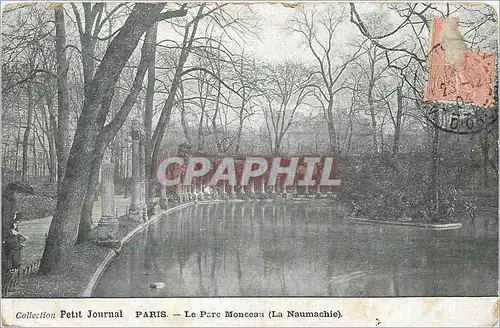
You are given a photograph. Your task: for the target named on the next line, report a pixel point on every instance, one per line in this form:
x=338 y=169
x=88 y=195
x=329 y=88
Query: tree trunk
x=88 y=204
x=331 y=128
x=26 y=136
x=494 y=160
x=35 y=159
x=349 y=139
x=373 y=118
x=148 y=113
x=16 y=163
x=62 y=139
x=182 y=109
x=92 y=137
x=218 y=141
x=371 y=105
x=240 y=126
x=166 y=112
x=51 y=128
x=200 y=137
x=485 y=150
x=433 y=191
x=397 y=126
x=70 y=197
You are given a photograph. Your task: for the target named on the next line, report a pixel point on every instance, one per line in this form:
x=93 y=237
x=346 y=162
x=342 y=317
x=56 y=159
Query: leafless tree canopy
x=75 y=76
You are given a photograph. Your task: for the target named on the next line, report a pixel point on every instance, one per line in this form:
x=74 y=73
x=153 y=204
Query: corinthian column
x=107 y=195
x=135 y=213
x=142 y=165
x=107 y=228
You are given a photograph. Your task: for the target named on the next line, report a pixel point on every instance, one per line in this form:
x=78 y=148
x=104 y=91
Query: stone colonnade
x=137 y=212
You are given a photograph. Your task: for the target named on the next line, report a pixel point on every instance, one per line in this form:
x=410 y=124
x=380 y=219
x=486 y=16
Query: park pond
x=301 y=249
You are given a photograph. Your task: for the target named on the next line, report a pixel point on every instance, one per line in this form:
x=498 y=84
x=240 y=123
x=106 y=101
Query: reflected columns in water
x=472 y=231
x=184 y=248
x=202 y=291
x=224 y=242
x=128 y=266
x=333 y=262
x=215 y=248
x=306 y=218
x=252 y=188
x=293 y=222
x=330 y=215
x=284 y=217
x=196 y=224
x=262 y=213
x=233 y=208
x=135 y=264
x=201 y=219
x=242 y=214
x=150 y=244
x=252 y=218
x=198 y=190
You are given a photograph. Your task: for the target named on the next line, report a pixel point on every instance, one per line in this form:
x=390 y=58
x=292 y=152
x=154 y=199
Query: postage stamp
x=460 y=78
x=254 y=164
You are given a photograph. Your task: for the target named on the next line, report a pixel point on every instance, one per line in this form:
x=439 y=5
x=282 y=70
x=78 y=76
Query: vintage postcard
x=255 y=164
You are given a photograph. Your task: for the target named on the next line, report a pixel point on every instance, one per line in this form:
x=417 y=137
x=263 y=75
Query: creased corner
x=494 y=313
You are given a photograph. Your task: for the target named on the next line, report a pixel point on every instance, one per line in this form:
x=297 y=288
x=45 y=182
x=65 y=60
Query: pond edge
x=96 y=276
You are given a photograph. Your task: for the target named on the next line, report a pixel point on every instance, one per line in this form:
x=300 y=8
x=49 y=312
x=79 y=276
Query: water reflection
x=265 y=249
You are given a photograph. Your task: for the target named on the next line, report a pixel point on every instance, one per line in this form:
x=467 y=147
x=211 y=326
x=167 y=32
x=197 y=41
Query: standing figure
x=12 y=246
x=12 y=240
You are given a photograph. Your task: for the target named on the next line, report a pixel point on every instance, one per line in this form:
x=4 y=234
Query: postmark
x=459 y=93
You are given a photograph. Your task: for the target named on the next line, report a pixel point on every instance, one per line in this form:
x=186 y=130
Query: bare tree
x=62 y=140
x=311 y=24
x=92 y=135
x=149 y=110
x=286 y=92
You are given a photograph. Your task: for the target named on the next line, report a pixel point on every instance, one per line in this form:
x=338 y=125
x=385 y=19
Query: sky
x=277 y=44
x=274 y=43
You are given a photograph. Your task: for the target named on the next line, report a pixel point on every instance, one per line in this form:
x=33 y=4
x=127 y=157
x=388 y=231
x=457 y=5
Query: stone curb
x=98 y=273
x=445 y=226
x=94 y=279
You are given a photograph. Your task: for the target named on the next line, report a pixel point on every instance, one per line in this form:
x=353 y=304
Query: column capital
x=137 y=130
x=107 y=164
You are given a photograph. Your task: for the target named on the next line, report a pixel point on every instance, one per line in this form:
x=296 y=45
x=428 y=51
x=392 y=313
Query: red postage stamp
x=456 y=73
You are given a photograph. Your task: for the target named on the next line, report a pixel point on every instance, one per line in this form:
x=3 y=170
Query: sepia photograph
x=252 y=149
